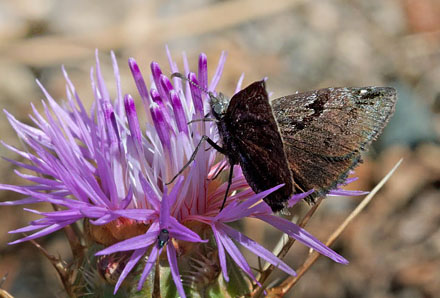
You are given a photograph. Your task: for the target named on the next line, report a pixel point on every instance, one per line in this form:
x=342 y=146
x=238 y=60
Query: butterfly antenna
x=182 y=77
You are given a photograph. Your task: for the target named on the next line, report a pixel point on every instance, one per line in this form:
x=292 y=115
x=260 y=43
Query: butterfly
x=306 y=141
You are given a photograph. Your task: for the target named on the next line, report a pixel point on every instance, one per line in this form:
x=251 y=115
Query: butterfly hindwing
x=324 y=131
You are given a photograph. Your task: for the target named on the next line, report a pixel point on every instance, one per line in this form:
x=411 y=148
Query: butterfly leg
x=231 y=171
x=215 y=146
x=193 y=155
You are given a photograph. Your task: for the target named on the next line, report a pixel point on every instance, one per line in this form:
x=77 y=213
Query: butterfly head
x=219 y=104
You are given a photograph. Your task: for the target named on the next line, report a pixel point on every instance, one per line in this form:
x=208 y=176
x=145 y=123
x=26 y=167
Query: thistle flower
x=111 y=171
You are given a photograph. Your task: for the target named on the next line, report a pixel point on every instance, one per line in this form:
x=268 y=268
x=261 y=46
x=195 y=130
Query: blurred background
x=393 y=246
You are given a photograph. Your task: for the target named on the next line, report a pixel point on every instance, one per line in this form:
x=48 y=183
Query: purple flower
x=105 y=167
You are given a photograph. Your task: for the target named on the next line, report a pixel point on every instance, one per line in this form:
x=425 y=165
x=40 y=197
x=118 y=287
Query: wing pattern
x=324 y=132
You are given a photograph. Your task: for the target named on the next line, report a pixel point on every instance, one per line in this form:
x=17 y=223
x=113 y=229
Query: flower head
x=105 y=167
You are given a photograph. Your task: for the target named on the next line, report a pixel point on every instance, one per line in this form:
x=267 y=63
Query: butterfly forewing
x=257 y=144
x=324 y=131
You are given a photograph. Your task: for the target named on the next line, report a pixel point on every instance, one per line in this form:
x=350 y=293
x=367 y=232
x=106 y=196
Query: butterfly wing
x=258 y=144
x=324 y=131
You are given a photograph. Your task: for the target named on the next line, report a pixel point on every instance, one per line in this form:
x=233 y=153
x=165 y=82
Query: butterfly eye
x=218 y=109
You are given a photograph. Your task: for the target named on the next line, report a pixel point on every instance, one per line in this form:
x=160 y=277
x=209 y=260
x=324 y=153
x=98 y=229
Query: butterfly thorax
x=219 y=106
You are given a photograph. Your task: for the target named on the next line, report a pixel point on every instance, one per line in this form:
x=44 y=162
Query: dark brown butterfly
x=307 y=140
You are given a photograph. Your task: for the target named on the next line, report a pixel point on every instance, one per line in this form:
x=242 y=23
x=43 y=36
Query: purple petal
x=133 y=122
x=101 y=85
x=33 y=168
x=235 y=212
x=187 y=84
x=179 y=113
x=160 y=124
x=203 y=71
x=134 y=259
x=172 y=260
x=24 y=130
x=298 y=197
x=176 y=191
x=155 y=251
x=157 y=72
x=104 y=219
x=134 y=243
x=302 y=236
x=59 y=215
x=218 y=72
x=137 y=214
x=44 y=197
x=26 y=229
x=256 y=248
x=234 y=252
x=221 y=253
x=118 y=100
x=173 y=66
x=239 y=83
x=44 y=169
x=21 y=202
x=43 y=232
x=139 y=80
x=164 y=217
x=128 y=198
x=93 y=212
x=179 y=231
x=350 y=180
x=166 y=85
x=150 y=195
x=196 y=93
x=40 y=180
